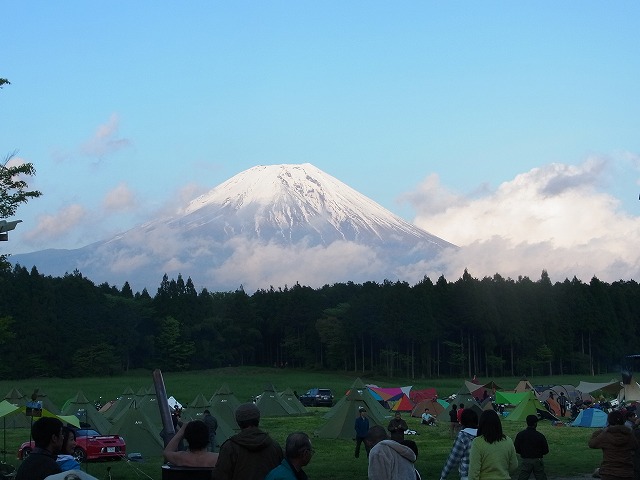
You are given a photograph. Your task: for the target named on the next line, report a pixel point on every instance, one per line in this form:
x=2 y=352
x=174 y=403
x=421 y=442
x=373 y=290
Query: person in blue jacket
x=66 y=460
x=297 y=454
x=362 y=428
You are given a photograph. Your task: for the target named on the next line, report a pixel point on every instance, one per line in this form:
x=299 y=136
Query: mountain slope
x=249 y=230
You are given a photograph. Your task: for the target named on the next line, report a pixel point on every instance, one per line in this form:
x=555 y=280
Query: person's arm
x=596 y=439
x=170 y=451
x=455 y=456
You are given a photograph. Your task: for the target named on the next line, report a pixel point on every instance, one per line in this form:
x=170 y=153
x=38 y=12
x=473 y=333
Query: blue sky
x=506 y=127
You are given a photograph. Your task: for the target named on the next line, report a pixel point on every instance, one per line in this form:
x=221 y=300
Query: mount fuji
x=267 y=226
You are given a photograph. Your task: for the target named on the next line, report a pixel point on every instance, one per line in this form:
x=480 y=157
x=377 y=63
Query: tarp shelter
x=612 y=387
x=16 y=397
x=271 y=405
x=434 y=408
x=402 y=405
x=140 y=434
x=86 y=412
x=417 y=396
x=629 y=392
x=341 y=423
x=510 y=398
x=529 y=406
x=290 y=399
x=590 y=417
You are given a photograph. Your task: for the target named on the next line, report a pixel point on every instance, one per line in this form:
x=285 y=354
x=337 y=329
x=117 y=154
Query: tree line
x=494 y=326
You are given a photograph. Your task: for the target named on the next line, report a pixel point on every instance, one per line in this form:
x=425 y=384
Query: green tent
x=375 y=408
x=511 y=398
x=121 y=405
x=223 y=407
x=342 y=421
x=140 y=434
x=530 y=405
x=224 y=395
x=290 y=399
x=464 y=396
x=86 y=412
x=271 y=405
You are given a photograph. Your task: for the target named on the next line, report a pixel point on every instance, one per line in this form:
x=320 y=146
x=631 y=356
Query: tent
x=86 y=412
x=403 y=404
x=465 y=397
x=290 y=399
x=223 y=407
x=629 y=392
x=271 y=405
x=341 y=423
x=590 y=417
x=375 y=408
x=417 y=396
x=123 y=402
x=523 y=386
x=434 y=408
x=529 y=406
x=510 y=398
x=225 y=395
x=612 y=387
x=139 y=433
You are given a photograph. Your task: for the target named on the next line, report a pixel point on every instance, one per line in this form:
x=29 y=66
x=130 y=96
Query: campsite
x=333 y=443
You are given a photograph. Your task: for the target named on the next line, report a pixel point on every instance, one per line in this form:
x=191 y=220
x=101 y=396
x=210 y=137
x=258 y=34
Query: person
x=212 y=424
x=531 y=445
x=414 y=448
x=562 y=402
x=297 y=454
x=492 y=455
x=362 y=428
x=66 y=460
x=618 y=445
x=459 y=455
x=397 y=427
x=630 y=419
x=389 y=459
x=250 y=454
x=453 y=419
x=459 y=415
x=47 y=434
x=196 y=433
x=427 y=418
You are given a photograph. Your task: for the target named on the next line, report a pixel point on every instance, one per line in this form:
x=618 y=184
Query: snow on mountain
x=269 y=225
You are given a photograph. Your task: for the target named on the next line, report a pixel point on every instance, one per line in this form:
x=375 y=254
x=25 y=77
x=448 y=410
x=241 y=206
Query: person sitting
x=66 y=460
x=196 y=433
x=427 y=418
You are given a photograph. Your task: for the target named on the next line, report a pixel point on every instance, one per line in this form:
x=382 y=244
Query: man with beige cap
x=250 y=454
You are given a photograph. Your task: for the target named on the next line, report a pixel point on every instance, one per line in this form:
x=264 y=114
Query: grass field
x=569 y=455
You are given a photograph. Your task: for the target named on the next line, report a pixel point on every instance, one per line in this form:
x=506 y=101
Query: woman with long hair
x=492 y=455
x=66 y=460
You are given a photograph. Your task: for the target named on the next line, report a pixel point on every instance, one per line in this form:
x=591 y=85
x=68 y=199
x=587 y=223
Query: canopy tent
x=341 y=423
x=529 y=406
x=590 y=417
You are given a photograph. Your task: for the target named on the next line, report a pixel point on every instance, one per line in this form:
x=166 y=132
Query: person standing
x=47 y=434
x=397 y=427
x=298 y=453
x=532 y=446
x=250 y=454
x=492 y=455
x=459 y=455
x=453 y=419
x=212 y=424
x=618 y=445
x=362 y=428
x=562 y=402
x=388 y=459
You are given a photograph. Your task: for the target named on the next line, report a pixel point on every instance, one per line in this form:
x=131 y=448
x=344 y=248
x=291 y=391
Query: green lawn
x=334 y=458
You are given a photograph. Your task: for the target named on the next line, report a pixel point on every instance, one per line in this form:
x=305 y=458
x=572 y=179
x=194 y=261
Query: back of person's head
x=615 y=418
x=375 y=435
x=469 y=418
x=411 y=444
x=532 y=420
x=297 y=444
x=462 y=405
x=454 y=407
x=490 y=427
x=207 y=412
x=196 y=433
x=43 y=429
x=247 y=415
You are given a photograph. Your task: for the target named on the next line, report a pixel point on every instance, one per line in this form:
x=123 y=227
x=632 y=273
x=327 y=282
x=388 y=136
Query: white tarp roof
x=612 y=386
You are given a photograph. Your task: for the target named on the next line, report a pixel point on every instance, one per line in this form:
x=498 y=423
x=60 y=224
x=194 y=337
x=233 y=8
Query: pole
x=163 y=405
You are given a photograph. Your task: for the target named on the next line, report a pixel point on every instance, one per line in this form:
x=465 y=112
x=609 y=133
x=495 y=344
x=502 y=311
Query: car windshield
x=86 y=433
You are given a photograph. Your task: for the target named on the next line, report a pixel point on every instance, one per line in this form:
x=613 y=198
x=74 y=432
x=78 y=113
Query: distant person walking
x=532 y=446
x=212 y=424
x=562 y=402
x=362 y=428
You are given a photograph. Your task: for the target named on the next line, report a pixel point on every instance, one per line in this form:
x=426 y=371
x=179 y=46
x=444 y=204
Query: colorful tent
x=590 y=417
x=417 y=396
x=403 y=404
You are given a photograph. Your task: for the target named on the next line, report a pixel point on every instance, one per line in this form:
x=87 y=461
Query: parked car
x=90 y=446
x=317 y=397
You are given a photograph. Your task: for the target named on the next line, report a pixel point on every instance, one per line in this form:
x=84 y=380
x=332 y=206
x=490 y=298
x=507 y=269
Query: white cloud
x=553 y=218
x=105 y=139
x=119 y=199
x=52 y=227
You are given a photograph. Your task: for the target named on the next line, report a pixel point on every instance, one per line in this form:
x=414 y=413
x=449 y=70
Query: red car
x=91 y=446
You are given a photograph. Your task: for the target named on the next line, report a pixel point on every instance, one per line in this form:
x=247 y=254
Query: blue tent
x=591 y=417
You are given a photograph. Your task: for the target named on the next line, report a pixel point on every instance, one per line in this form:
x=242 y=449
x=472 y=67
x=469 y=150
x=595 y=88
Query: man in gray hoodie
x=388 y=458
